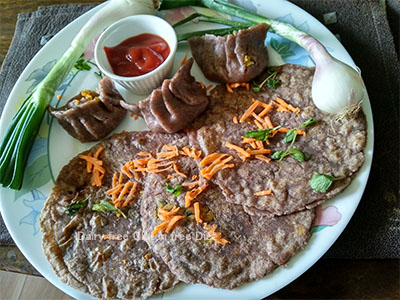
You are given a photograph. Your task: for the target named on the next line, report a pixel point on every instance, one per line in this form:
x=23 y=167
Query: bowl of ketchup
x=137 y=52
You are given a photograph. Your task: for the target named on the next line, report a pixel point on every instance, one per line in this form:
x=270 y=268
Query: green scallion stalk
x=337 y=88
x=221 y=31
x=205 y=18
x=20 y=135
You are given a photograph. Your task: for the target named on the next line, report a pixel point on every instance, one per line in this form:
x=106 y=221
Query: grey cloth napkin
x=364 y=30
x=31 y=29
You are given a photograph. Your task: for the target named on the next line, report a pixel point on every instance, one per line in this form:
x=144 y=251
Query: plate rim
x=365 y=169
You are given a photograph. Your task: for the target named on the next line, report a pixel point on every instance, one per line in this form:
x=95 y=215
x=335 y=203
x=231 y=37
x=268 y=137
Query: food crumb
x=59 y=97
x=148 y=256
x=124 y=261
x=300 y=230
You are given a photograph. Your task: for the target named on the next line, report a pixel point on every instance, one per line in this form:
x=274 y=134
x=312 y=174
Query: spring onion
x=337 y=88
x=21 y=133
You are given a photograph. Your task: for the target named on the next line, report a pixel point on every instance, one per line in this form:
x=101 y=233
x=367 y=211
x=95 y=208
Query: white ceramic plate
x=54 y=148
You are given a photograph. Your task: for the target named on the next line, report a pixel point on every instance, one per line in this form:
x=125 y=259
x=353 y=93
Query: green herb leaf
x=308 y=122
x=322 y=182
x=82 y=65
x=105 y=206
x=261 y=134
x=176 y=191
x=297 y=154
x=271 y=81
x=307 y=156
x=277 y=155
x=290 y=135
x=75 y=206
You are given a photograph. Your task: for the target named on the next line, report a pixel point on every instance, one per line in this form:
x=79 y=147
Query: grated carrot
x=175 y=167
x=192 y=194
x=259 y=125
x=258 y=151
x=125 y=190
x=196 y=207
x=160 y=227
x=94 y=166
x=209 y=87
x=191 y=152
x=125 y=171
x=260 y=144
x=114 y=189
x=166 y=215
x=266 y=110
x=215 y=236
x=257 y=118
x=237 y=149
x=228 y=88
x=215 y=163
x=262 y=157
x=249 y=111
x=268 y=122
x=184 y=59
x=209 y=158
x=235 y=120
x=190 y=184
x=202 y=85
x=172 y=222
x=264 y=193
x=132 y=192
x=248 y=140
x=283 y=106
x=114 y=179
x=144 y=154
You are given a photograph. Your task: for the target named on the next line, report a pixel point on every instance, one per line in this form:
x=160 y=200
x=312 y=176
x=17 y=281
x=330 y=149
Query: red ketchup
x=137 y=55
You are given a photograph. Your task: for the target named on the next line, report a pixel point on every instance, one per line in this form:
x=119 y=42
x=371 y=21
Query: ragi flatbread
x=256 y=244
x=336 y=147
x=99 y=252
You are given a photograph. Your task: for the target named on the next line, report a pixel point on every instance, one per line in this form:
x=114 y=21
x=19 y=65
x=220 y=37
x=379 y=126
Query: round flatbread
x=256 y=244
x=334 y=147
x=102 y=252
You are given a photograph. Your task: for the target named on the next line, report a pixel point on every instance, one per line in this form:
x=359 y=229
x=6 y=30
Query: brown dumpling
x=90 y=116
x=232 y=58
x=174 y=105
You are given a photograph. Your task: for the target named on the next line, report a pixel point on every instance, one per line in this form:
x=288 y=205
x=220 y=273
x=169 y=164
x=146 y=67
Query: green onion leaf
x=75 y=206
x=322 y=182
x=176 y=191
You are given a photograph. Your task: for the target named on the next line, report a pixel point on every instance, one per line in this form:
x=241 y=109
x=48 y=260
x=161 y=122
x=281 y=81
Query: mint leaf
x=322 y=182
x=261 y=134
x=290 y=135
x=297 y=154
x=176 y=191
x=277 y=155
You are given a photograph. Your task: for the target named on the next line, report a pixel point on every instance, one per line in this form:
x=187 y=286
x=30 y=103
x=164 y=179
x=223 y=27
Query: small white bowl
x=129 y=27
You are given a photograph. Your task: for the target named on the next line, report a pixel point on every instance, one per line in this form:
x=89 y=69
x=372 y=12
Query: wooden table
x=327 y=279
